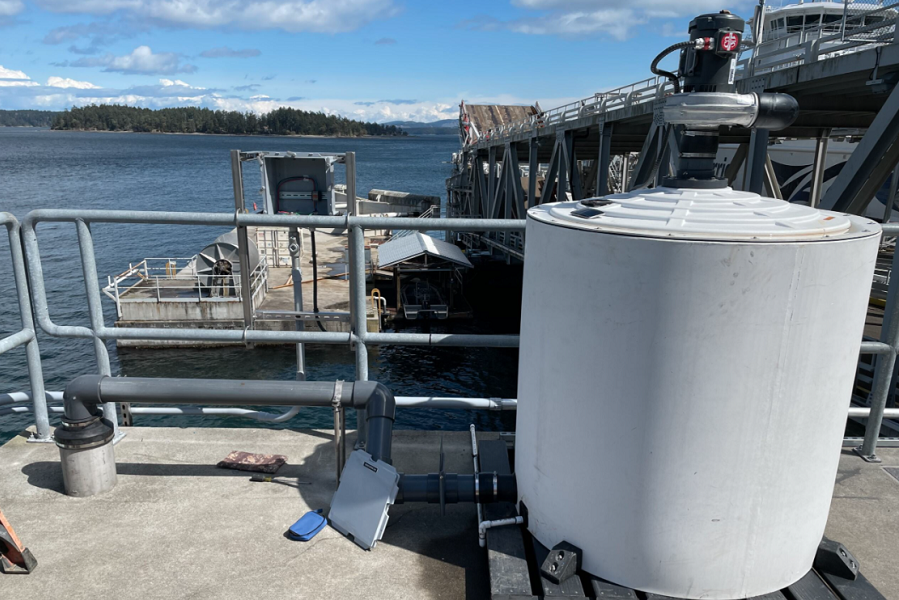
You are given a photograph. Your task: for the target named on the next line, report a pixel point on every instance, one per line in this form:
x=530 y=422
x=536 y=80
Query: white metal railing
x=176 y=280
x=829 y=40
x=358 y=337
x=432 y=213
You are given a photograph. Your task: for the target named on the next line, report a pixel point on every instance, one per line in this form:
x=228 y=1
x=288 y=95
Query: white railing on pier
x=176 y=280
x=829 y=40
x=32 y=292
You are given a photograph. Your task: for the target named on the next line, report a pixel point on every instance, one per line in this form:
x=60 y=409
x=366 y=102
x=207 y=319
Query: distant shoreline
x=279 y=135
x=451 y=132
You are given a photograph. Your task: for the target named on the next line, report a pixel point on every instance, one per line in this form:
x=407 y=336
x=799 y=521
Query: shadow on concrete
x=450 y=540
x=417 y=528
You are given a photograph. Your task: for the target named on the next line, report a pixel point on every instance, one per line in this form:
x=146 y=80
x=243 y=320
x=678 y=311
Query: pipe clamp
x=338 y=392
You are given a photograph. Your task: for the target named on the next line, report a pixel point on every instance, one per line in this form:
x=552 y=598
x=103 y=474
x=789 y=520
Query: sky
x=376 y=60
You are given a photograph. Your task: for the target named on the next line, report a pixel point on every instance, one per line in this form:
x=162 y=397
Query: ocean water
x=55 y=169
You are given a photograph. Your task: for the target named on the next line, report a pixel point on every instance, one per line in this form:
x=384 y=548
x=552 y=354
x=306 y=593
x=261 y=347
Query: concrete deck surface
x=176 y=526
x=864 y=516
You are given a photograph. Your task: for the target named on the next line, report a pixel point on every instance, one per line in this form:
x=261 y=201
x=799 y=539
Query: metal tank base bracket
x=521 y=567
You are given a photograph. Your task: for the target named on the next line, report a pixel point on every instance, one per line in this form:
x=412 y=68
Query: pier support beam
x=604 y=160
x=574 y=172
x=480 y=199
x=533 y=167
x=891 y=197
x=771 y=184
x=818 y=167
x=552 y=171
x=870 y=163
x=564 y=168
x=645 y=170
x=756 y=161
x=491 y=180
x=730 y=173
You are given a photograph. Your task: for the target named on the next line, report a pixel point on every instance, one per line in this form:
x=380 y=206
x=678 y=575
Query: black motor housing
x=712 y=69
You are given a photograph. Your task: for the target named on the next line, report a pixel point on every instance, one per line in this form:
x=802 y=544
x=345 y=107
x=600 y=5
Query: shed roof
x=401 y=249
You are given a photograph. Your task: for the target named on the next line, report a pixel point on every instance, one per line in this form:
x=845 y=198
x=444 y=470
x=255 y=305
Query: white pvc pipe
x=467 y=403
x=485 y=525
x=477 y=468
x=891 y=413
x=21 y=397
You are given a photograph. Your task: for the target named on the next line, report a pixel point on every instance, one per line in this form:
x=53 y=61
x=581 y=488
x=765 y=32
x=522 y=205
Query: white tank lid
x=720 y=214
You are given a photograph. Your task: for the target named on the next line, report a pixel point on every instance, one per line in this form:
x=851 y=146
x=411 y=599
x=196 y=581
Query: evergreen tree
x=281 y=121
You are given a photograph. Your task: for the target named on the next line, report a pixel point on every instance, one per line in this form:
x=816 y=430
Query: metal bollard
x=87 y=457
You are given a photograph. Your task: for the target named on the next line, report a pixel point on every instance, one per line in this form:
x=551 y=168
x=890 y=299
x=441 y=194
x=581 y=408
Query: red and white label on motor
x=730 y=42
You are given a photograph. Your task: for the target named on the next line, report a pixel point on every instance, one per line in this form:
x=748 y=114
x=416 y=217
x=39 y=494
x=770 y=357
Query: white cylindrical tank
x=687 y=359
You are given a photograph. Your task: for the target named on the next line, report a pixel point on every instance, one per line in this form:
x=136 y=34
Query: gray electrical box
x=299 y=182
x=359 y=507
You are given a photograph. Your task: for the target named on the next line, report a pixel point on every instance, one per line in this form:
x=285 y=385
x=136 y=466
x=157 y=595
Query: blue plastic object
x=308 y=525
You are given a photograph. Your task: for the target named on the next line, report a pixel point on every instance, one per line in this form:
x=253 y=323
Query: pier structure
x=842 y=74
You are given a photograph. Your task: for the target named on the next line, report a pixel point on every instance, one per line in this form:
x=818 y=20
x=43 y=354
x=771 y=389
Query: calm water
x=43 y=169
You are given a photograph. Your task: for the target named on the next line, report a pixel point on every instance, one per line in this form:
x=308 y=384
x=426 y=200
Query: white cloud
x=17 y=83
x=613 y=18
x=141 y=61
x=327 y=16
x=8 y=8
x=613 y=22
x=665 y=6
x=174 y=82
x=13 y=78
x=64 y=82
x=11 y=74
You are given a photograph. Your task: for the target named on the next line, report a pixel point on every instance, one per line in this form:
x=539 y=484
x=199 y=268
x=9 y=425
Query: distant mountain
x=442 y=127
x=449 y=123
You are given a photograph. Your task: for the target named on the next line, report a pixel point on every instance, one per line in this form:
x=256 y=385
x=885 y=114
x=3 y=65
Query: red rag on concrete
x=246 y=461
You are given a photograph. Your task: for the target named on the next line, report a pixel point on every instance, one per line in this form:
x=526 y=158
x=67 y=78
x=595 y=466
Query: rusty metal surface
x=491 y=116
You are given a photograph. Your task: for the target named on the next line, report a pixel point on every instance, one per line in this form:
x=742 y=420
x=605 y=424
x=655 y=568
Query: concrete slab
x=864 y=516
x=176 y=526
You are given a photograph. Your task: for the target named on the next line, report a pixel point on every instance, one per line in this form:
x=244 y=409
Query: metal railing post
x=360 y=324
x=95 y=309
x=243 y=243
x=32 y=352
x=883 y=370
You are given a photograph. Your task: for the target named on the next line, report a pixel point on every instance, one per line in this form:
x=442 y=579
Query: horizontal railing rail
x=359 y=338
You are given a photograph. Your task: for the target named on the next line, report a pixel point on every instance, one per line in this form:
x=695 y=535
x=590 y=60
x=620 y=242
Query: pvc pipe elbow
x=81 y=398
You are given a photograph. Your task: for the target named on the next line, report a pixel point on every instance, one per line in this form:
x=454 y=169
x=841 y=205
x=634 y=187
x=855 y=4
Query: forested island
x=27 y=118
x=281 y=121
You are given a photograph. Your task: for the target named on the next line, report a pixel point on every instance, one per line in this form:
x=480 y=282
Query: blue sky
x=380 y=60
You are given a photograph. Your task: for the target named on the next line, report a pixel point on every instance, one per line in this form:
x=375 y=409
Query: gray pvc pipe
x=149 y=390
x=84 y=394
x=457 y=488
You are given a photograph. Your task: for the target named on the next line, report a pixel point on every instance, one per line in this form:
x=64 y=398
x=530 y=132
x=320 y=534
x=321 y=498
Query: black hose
x=654 y=67
x=315 y=280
